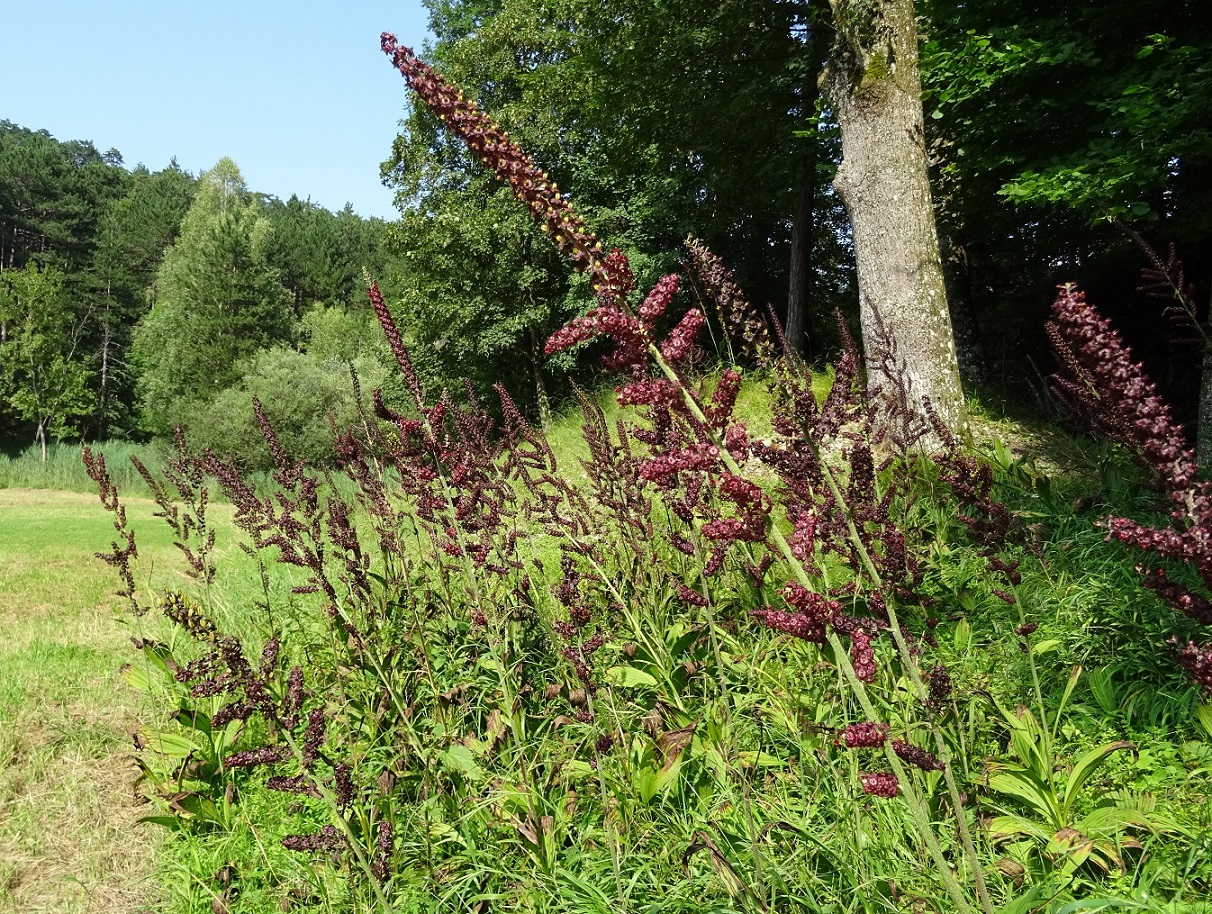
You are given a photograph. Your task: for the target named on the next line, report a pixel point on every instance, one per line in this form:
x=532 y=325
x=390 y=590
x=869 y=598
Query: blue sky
x=297 y=93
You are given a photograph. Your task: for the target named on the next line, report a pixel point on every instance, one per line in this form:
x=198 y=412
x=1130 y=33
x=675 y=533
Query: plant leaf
x=629 y=677
x=1024 y=786
x=170 y=745
x=461 y=760
x=1085 y=766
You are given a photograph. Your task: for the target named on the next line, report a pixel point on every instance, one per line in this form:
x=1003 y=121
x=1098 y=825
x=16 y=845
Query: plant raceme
x=1101 y=383
x=487 y=652
x=839 y=510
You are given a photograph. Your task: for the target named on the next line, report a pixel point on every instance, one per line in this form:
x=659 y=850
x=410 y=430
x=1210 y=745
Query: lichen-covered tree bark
x=873 y=85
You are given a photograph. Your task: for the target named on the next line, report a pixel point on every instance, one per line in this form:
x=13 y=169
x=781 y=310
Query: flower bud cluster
x=299 y=783
x=664 y=468
x=862 y=655
x=938 y=689
x=736 y=441
x=678 y=345
x=1196 y=659
x=866 y=735
x=752 y=507
x=920 y=758
x=384 y=845
x=691 y=597
x=723 y=399
x=880 y=784
x=250 y=758
x=185 y=612
x=657 y=300
x=1192 y=605
x=812 y=613
x=1101 y=383
x=328 y=839
x=655 y=392
x=743 y=324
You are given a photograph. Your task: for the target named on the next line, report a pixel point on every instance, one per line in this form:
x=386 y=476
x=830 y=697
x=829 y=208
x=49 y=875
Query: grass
x=63 y=469
x=69 y=842
x=67 y=836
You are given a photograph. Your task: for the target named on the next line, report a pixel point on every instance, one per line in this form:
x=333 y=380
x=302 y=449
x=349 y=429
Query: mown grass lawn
x=68 y=835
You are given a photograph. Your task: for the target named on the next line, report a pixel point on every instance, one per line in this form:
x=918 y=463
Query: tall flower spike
x=507 y=161
x=743 y=323
x=1102 y=384
x=1105 y=387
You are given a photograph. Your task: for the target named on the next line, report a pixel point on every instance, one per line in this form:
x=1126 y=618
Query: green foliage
x=1115 y=94
x=662 y=120
x=1045 y=123
x=480 y=290
x=45 y=377
x=1049 y=792
x=320 y=255
x=184 y=767
x=217 y=302
x=305 y=397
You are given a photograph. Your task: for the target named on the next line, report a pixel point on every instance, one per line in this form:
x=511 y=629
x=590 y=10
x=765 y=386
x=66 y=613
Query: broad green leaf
x=171 y=745
x=1024 y=786
x=172 y=823
x=629 y=677
x=1093 y=905
x=1085 y=766
x=1203 y=715
x=1110 y=820
x=577 y=768
x=137 y=676
x=461 y=760
x=193 y=719
x=759 y=759
x=1030 y=901
x=1008 y=825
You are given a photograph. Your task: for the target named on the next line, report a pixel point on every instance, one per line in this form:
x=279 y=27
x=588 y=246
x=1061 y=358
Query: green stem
x=784 y=547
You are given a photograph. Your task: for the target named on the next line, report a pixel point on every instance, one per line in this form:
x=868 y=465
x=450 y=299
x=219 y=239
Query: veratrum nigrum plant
x=501 y=681
x=1101 y=383
x=849 y=567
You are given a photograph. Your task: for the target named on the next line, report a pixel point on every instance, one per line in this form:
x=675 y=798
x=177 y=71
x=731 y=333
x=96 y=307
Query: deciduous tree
x=45 y=380
x=873 y=85
x=217 y=301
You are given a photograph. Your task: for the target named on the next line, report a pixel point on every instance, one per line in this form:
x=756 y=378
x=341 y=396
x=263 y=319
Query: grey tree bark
x=1203 y=428
x=873 y=85
x=803 y=226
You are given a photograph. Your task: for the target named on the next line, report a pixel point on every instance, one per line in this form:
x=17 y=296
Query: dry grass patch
x=68 y=835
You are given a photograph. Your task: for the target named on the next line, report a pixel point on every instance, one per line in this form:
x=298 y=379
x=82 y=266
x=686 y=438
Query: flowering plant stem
x=326 y=794
x=913 y=800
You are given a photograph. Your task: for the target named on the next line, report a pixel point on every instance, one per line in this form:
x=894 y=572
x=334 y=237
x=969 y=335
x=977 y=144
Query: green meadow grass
x=69 y=839
x=67 y=836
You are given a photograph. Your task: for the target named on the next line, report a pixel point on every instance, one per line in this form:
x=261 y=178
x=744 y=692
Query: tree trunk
x=1203 y=428
x=800 y=285
x=874 y=87
x=540 y=386
x=970 y=354
x=103 y=392
x=803 y=219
